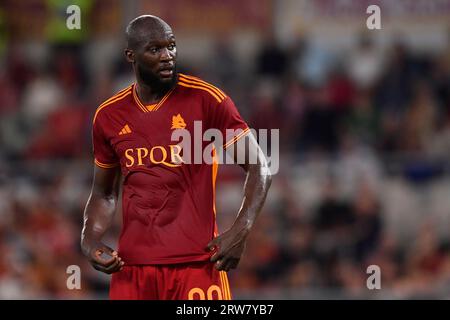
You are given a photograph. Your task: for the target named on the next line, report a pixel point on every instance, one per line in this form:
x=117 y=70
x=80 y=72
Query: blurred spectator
x=365 y=63
x=271 y=60
x=313 y=63
x=227 y=69
x=393 y=90
x=321 y=122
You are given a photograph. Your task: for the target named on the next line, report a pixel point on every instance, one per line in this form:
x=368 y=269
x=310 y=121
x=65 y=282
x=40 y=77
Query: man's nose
x=166 y=55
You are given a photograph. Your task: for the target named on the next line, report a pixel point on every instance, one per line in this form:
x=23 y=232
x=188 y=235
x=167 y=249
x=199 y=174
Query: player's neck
x=148 y=94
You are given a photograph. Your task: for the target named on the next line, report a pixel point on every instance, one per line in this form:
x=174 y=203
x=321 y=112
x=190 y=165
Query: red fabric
x=168 y=214
x=195 y=281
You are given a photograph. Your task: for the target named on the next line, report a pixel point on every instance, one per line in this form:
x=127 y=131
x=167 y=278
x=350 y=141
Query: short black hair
x=139 y=27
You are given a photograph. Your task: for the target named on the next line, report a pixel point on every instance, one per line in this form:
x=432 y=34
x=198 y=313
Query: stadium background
x=364 y=120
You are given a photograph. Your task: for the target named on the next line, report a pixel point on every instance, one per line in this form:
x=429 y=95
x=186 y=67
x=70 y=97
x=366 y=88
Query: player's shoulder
x=115 y=99
x=199 y=86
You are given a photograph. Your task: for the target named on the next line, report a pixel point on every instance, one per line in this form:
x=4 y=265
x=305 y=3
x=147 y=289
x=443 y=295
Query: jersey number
x=199 y=294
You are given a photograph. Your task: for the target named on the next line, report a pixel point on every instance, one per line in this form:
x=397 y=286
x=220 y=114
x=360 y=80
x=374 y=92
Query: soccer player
x=169 y=247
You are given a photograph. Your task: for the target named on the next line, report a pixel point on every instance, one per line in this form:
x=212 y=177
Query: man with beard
x=169 y=247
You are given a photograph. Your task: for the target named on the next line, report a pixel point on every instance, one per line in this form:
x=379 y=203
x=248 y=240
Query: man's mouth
x=166 y=72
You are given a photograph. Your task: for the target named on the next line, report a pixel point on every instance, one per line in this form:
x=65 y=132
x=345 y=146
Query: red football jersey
x=167 y=206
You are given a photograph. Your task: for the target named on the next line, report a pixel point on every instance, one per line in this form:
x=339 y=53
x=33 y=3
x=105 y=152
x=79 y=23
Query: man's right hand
x=102 y=257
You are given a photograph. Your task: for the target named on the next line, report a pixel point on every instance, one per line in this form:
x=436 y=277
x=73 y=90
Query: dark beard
x=150 y=79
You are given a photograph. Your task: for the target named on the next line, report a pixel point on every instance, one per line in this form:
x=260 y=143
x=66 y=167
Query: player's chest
x=138 y=129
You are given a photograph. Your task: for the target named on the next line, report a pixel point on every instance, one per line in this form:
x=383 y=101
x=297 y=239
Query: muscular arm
x=230 y=245
x=98 y=217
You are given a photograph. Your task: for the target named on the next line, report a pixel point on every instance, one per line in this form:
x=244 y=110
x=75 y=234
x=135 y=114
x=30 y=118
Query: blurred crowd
x=364 y=174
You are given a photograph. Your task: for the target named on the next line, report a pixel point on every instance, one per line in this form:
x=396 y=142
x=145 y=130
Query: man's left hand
x=229 y=248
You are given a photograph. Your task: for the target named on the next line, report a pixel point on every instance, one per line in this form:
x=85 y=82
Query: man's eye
x=154 y=50
x=171 y=46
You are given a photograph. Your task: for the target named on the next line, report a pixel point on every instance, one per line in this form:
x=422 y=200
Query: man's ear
x=129 y=55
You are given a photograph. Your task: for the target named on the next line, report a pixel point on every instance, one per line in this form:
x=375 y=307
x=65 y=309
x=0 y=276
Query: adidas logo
x=125 y=130
x=178 y=122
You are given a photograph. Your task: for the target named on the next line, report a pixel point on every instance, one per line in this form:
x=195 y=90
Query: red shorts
x=193 y=281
